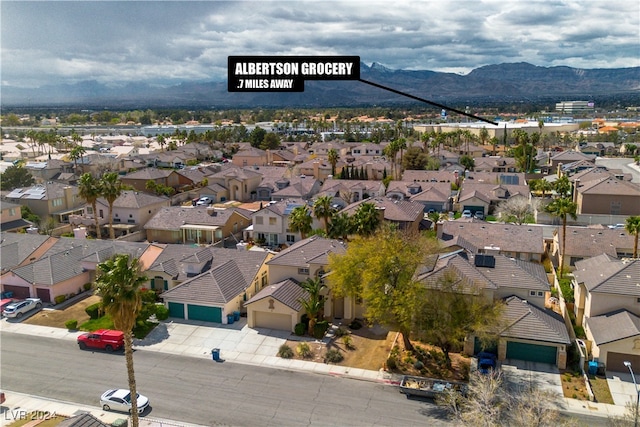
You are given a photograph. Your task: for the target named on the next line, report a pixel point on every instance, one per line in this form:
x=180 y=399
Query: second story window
x=57 y=202
x=272 y=220
x=258 y=220
x=304 y=271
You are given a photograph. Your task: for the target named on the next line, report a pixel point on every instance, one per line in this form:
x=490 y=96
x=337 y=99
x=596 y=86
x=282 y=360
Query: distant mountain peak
x=380 y=68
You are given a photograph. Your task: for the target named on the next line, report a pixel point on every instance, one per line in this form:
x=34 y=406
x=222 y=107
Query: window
x=532 y=293
x=57 y=202
x=12 y=212
x=291 y=238
x=258 y=220
x=536 y=293
x=89 y=210
x=272 y=220
x=304 y=271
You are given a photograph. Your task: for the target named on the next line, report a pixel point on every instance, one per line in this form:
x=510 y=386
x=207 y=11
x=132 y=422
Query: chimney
x=576 y=184
x=316 y=170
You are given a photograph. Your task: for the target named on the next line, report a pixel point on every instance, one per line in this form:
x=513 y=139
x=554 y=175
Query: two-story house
x=271 y=224
x=49 y=199
x=11 y=217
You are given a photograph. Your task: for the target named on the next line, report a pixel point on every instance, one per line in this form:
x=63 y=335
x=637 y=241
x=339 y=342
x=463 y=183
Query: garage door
x=473 y=208
x=19 y=292
x=273 y=321
x=176 y=309
x=531 y=352
x=43 y=294
x=204 y=313
x=615 y=362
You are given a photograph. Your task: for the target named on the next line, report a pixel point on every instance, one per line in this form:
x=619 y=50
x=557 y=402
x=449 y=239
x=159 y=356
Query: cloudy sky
x=165 y=42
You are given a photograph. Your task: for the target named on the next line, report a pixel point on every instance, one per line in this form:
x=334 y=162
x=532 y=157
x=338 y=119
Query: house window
x=12 y=212
x=57 y=202
x=540 y=293
x=291 y=238
x=615 y=208
x=532 y=293
x=272 y=220
x=89 y=210
x=638 y=300
x=258 y=220
x=304 y=271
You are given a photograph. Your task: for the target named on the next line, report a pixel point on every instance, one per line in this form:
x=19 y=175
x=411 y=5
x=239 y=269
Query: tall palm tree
x=313 y=304
x=391 y=151
x=366 y=219
x=300 y=221
x=434 y=217
x=76 y=153
x=323 y=210
x=111 y=188
x=563 y=207
x=118 y=284
x=633 y=227
x=332 y=157
x=89 y=190
x=340 y=226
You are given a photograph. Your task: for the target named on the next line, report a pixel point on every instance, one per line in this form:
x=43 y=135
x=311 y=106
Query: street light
x=633 y=377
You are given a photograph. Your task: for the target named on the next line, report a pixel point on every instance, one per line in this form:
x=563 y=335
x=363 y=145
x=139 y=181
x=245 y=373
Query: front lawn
x=140 y=331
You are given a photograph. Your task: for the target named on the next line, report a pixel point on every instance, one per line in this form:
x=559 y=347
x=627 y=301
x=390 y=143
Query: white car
x=617 y=226
x=120 y=400
x=19 y=308
x=204 y=201
x=466 y=213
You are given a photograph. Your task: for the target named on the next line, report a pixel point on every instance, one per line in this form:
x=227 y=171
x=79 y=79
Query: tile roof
x=528 y=322
x=216 y=287
x=605 y=274
x=589 y=242
x=431 y=192
x=15 y=248
x=394 y=210
x=288 y=292
x=53 y=269
x=312 y=250
x=149 y=173
x=237 y=172
x=490 y=191
x=614 y=326
x=135 y=200
x=610 y=185
x=506 y=237
x=172 y=218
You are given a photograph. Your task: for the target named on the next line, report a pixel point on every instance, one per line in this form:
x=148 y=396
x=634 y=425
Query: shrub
x=418 y=365
x=86 y=286
x=333 y=356
x=93 y=310
x=162 y=312
x=341 y=332
x=320 y=329
x=567 y=289
x=71 y=325
x=392 y=363
x=60 y=299
x=285 y=352
x=348 y=342
x=355 y=324
x=304 y=350
x=300 y=329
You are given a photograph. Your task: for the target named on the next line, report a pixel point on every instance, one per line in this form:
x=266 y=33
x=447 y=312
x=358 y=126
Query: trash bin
x=236 y=316
x=215 y=354
x=593 y=368
x=229 y=319
x=120 y=422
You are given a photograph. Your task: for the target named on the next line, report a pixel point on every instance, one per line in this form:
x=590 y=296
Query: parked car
x=466 y=213
x=19 y=308
x=120 y=400
x=616 y=226
x=479 y=215
x=103 y=339
x=487 y=362
x=4 y=303
x=204 y=201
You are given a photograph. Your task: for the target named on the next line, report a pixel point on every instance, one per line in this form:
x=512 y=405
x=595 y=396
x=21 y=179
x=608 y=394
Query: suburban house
x=18 y=249
x=569 y=156
x=280 y=158
x=607 y=291
x=241 y=183
x=49 y=199
x=485 y=197
x=46 y=171
x=523 y=242
x=298 y=187
x=309 y=258
x=440 y=176
x=217 y=281
x=405 y=214
x=436 y=196
x=11 y=217
x=167 y=177
x=169 y=159
x=274 y=178
x=607 y=196
x=196 y=224
x=277 y=306
x=529 y=331
x=583 y=243
x=345 y=191
x=130 y=211
x=271 y=224
x=494 y=164
x=250 y=157
x=317 y=168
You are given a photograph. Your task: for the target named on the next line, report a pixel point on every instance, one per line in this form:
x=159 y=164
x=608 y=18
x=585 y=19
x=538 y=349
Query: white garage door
x=273 y=321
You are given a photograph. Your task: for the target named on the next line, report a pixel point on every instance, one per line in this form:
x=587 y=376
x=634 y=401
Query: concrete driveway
x=520 y=373
x=621 y=387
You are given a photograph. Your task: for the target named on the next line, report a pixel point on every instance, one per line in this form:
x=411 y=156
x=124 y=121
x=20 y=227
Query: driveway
x=520 y=373
x=621 y=387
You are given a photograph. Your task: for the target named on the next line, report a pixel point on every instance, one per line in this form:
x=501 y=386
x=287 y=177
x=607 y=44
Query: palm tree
x=391 y=150
x=434 y=217
x=111 y=188
x=300 y=221
x=366 y=219
x=119 y=284
x=563 y=207
x=313 y=304
x=89 y=190
x=340 y=226
x=332 y=157
x=76 y=153
x=322 y=209
x=633 y=227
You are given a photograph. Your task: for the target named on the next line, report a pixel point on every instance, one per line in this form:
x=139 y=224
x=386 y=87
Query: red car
x=103 y=339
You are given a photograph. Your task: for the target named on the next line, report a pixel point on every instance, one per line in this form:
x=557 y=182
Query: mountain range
x=491 y=84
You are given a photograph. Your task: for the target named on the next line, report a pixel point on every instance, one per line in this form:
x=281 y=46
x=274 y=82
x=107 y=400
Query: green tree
x=16 y=176
x=562 y=207
x=257 y=136
x=89 y=190
x=434 y=217
x=271 y=141
x=633 y=227
x=450 y=310
x=323 y=210
x=332 y=157
x=76 y=153
x=366 y=219
x=467 y=162
x=340 y=226
x=118 y=284
x=111 y=188
x=379 y=269
x=314 y=303
x=300 y=221
x=562 y=186
x=415 y=159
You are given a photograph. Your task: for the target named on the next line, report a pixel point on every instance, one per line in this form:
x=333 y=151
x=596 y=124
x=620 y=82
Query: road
x=205 y=392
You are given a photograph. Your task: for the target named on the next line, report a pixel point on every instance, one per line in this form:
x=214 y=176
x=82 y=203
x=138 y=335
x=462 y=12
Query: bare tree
x=518 y=209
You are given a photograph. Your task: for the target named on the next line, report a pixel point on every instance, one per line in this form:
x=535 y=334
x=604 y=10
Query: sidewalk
x=239 y=344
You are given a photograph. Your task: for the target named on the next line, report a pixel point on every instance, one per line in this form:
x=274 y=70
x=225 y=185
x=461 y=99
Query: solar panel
x=488 y=261
x=509 y=180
